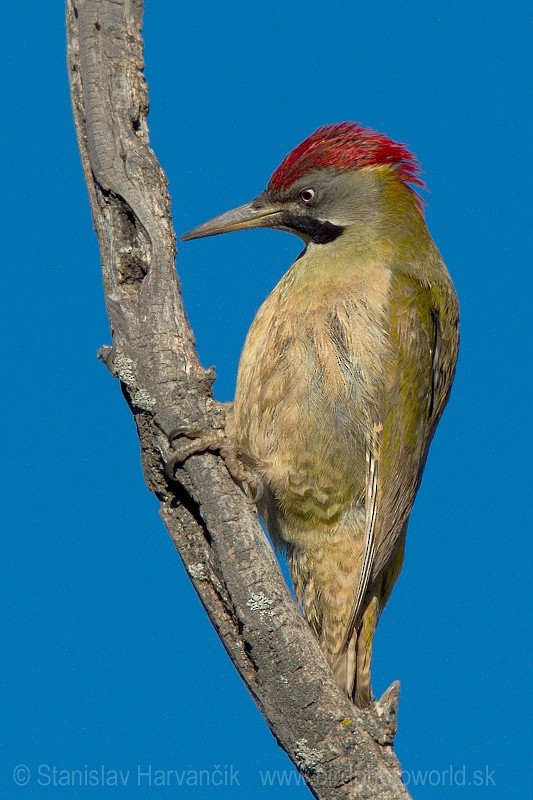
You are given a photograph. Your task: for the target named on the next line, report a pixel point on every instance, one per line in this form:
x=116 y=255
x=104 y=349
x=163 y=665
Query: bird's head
x=333 y=179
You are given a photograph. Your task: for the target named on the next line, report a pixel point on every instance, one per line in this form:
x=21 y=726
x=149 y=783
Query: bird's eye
x=307 y=195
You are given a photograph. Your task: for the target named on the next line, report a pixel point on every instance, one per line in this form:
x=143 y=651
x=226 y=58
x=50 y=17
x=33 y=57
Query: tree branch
x=341 y=751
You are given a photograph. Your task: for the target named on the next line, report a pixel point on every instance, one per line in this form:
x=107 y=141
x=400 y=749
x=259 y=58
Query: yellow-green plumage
x=342 y=380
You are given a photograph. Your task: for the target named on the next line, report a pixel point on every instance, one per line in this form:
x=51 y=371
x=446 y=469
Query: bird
x=343 y=377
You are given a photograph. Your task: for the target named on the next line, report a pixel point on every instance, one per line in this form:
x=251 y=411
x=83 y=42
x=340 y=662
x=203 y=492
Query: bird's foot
x=187 y=441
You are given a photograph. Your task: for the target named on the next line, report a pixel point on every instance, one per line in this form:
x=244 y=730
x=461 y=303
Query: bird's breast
x=309 y=375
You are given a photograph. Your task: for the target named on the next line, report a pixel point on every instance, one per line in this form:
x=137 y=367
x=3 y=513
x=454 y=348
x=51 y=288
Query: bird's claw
x=201 y=440
x=188 y=441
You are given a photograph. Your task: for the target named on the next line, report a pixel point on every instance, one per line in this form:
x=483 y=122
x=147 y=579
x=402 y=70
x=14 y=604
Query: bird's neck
x=393 y=235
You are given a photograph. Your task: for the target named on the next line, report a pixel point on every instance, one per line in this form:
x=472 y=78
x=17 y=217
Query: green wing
x=423 y=327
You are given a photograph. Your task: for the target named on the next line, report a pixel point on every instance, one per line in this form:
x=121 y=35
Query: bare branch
x=342 y=752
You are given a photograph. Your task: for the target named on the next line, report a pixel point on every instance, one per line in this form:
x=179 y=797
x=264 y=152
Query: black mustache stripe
x=319 y=231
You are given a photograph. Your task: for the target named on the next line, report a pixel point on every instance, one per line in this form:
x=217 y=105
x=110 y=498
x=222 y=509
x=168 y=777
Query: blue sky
x=107 y=657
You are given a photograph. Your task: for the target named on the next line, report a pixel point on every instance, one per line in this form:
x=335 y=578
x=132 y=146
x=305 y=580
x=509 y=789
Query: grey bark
x=341 y=751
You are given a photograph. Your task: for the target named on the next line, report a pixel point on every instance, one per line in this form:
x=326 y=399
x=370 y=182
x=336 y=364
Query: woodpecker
x=344 y=375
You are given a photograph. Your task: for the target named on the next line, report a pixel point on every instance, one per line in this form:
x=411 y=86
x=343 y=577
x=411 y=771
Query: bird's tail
x=351 y=666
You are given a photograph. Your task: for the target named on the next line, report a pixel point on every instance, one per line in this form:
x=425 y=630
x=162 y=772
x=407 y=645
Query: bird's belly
x=309 y=377
x=300 y=415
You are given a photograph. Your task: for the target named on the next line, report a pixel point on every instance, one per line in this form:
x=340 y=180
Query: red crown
x=345 y=146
